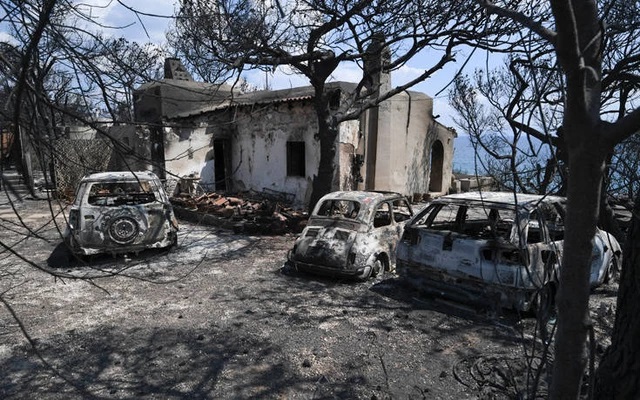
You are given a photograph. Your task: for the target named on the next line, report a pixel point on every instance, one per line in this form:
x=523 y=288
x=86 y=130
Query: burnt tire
x=366 y=274
x=612 y=270
x=380 y=269
x=123 y=230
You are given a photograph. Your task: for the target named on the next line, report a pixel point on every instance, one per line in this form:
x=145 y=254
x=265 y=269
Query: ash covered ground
x=217 y=318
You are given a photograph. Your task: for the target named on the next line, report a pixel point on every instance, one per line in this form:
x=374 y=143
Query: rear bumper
x=79 y=247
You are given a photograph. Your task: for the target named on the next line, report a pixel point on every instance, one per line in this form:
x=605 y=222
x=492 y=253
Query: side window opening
x=382 y=216
x=401 y=210
x=554 y=221
x=440 y=217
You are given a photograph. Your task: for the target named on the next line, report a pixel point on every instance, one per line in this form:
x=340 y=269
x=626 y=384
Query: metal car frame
x=484 y=259
x=120 y=212
x=352 y=234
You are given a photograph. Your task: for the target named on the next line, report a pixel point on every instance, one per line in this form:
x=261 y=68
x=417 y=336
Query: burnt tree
x=314 y=38
x=617 y=376
x=575 y=33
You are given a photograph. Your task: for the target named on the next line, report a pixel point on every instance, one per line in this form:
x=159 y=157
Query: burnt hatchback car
x=352 y=234
x=120 y=212
x=500 y=249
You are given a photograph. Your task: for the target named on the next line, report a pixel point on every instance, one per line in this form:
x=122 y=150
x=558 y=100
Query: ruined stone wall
x=186 y=146
x=259 y=148
x=134 y=151
x=256 y=142
x=349 y=145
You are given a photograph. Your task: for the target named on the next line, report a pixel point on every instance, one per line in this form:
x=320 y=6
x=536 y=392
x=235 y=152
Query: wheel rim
x=378 y=266
x=611 y=270
x=123 y=230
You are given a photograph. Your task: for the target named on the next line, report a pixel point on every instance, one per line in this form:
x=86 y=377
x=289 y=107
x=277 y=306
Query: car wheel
x=73 y=251
x=366 y=274
x=612 y=269
x=174 y=241
x=380 y=269
x=288 y=268
x=123 y=230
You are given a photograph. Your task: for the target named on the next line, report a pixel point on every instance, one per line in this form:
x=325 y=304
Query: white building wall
x=186 y=150
x=257 y=139
x=259 y=149
x=402 y=163
x=349 y=140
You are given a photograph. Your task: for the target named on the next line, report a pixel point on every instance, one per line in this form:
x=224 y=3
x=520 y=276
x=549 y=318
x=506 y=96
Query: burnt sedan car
x=352 y=234
x=120 y=212
x=494 y=248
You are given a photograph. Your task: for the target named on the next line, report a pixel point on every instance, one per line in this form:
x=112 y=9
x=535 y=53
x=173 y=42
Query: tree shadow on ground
x=489 y=372
x=188 y=363
x=195 y=247
x=462 y=336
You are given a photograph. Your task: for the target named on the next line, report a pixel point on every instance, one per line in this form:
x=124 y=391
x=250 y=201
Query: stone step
x=13 y=184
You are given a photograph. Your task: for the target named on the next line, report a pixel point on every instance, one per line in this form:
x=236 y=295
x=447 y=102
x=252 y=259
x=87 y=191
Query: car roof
x=120 y=176
x=362 y=195
x=501 y=199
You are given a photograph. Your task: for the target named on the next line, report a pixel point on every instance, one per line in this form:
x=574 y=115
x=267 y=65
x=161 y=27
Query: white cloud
x=6 y=38
x=113 y=19
x=347 y=72
x=445 y=112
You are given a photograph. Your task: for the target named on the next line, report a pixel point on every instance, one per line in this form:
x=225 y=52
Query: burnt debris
x=249 y=212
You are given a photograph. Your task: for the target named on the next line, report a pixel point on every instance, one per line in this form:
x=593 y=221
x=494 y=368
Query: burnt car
x=352 y=234
x=495 y=248
x=120 y=212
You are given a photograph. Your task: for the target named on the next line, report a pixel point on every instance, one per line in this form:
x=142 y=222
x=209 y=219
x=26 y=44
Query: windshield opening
x=348 y=209
x=120 y=193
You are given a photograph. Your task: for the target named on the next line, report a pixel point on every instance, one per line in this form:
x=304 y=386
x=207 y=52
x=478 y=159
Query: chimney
x=173 y=69
x=376 y=62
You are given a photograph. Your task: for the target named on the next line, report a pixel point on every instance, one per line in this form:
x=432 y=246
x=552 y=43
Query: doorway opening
x=437 y=167
x=220 y=151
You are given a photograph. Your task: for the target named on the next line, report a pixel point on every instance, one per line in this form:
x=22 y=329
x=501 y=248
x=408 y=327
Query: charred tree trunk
x=578 y=46
x=327 y=136
x=617 y=375
x=583 y=195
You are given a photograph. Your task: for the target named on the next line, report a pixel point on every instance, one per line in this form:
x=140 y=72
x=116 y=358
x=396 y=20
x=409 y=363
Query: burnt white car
x=120 y=212
x=352 y=234
x=495 y=248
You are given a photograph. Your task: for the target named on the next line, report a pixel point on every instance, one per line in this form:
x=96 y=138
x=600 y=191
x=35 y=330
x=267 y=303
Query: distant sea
x=464 y=156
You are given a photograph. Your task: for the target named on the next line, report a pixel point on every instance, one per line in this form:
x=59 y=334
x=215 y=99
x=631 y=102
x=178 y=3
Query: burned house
x=266 y=141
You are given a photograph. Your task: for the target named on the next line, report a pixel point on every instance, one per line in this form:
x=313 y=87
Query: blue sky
x=152 y=28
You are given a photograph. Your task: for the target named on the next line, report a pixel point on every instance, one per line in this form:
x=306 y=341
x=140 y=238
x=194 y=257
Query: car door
x=384 y=229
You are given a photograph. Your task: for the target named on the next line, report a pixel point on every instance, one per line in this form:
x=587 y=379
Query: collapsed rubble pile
x=247 y=213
